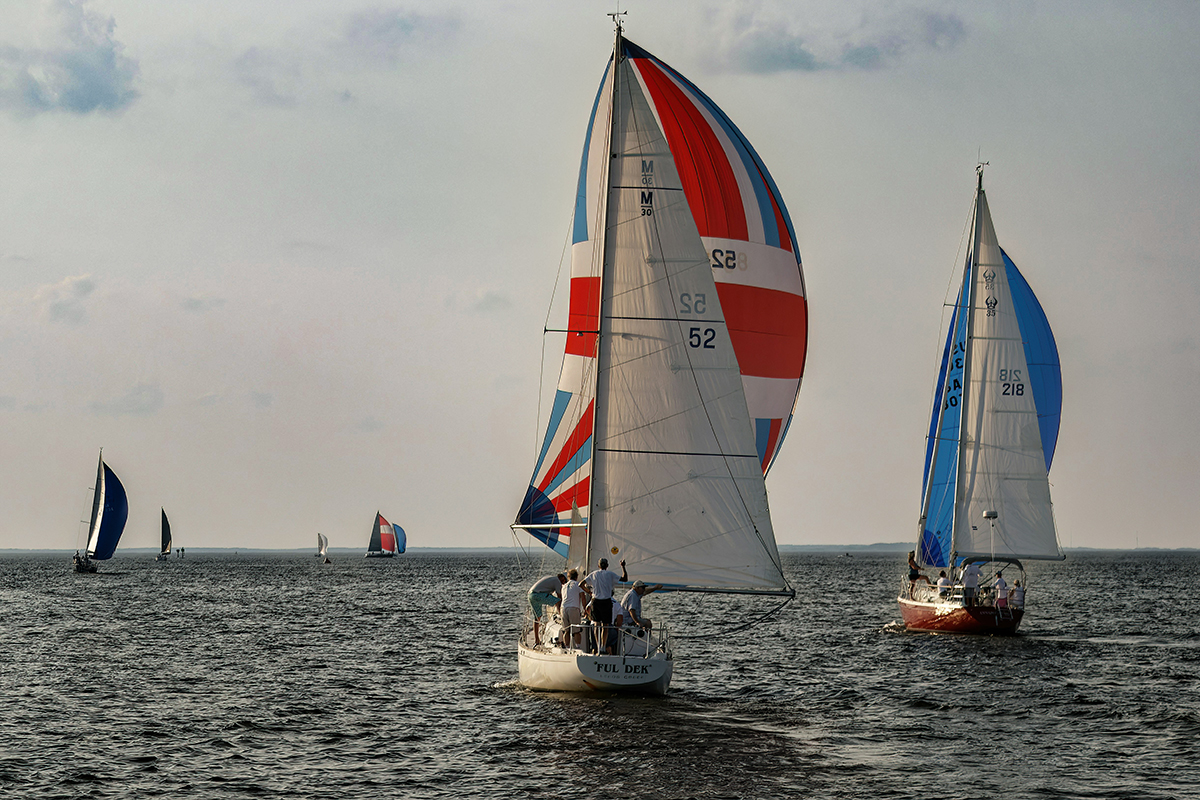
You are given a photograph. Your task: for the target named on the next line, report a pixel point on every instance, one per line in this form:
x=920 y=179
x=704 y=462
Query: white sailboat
x=992 y=435
x=652 y=453
x=322 y=546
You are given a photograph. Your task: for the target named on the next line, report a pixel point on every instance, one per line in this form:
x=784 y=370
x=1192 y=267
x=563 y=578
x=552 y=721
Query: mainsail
x=110 y=509
x=322 y=544
x=651 y=453
x=994 y=425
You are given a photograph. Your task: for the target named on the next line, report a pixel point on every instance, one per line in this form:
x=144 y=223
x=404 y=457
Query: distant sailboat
x=992 y=436
x=165 y=552
x=322 y=546
x=110 y=509
x=386 y=540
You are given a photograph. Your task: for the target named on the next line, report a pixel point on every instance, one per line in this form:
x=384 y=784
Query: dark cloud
x=761 y=44
x=772 y=51
x=140 y=401
x=85 y=71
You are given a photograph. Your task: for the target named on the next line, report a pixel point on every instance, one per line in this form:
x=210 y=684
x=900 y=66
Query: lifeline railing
x=930 y=593
x=631 y=641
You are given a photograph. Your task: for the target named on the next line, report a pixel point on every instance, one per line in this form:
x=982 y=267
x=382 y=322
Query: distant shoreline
x=879 y=548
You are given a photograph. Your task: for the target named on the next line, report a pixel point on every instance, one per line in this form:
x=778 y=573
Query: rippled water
x=274 y=675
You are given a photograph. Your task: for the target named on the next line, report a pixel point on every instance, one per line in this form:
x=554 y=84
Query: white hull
x=555 y=669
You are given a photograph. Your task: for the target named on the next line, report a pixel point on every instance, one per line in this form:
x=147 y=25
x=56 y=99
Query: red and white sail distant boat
x=986 y=503
x=387 y=540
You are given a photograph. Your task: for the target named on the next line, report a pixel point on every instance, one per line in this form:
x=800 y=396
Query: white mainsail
x=1002 y=463
x=677 y=489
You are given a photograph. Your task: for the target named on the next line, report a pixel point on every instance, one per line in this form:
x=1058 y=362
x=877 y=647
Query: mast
x=601 y=397
x=970 y=336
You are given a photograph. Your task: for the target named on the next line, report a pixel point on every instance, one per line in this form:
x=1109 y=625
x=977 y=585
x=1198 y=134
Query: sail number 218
x=1010 y=383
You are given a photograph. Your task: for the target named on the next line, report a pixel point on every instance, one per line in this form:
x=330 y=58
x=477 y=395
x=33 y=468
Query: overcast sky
x=289 y=263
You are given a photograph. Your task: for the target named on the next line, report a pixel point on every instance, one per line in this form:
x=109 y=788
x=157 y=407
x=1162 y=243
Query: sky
x=290 y=264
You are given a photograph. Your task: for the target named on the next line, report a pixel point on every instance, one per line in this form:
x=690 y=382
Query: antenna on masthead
x=616 y=17
x=979 y=171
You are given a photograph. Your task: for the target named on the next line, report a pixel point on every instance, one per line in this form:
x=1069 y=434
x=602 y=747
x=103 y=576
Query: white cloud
x=140 y=401
x=82 y=69
x=65 y=301
x=489 y=301
x=199 y=305
x=384 y=35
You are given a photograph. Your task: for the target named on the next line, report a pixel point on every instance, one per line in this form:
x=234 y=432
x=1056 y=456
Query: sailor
x=943 y=584
x=970 y=581
x=572 y=608
x=546 y=592
x=914 y=573
x=1001 y=588
x=602 y=582
x=632 y=601
x=1016 y=595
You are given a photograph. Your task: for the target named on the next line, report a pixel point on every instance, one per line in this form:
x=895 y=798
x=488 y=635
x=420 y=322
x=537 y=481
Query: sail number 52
x=705 y=340
x=692 y=304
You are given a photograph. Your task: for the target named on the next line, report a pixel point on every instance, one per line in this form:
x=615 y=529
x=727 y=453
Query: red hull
x=948 y=618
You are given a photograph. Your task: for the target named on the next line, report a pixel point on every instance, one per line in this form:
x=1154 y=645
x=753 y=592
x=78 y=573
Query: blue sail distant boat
x=165 y=551
x=994 y=428
x=110 y=510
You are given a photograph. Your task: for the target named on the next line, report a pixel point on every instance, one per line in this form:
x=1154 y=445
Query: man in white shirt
x=943 y=584
x=572 y=608
x=633 y=603
x=546 y=592
x=1018 y=595
x=970 y=580
x=602 y=582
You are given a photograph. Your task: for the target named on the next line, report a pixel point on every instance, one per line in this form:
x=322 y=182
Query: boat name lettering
x=692 y=303
x=1014 y=389
x=627 y=669
x=695 y=340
